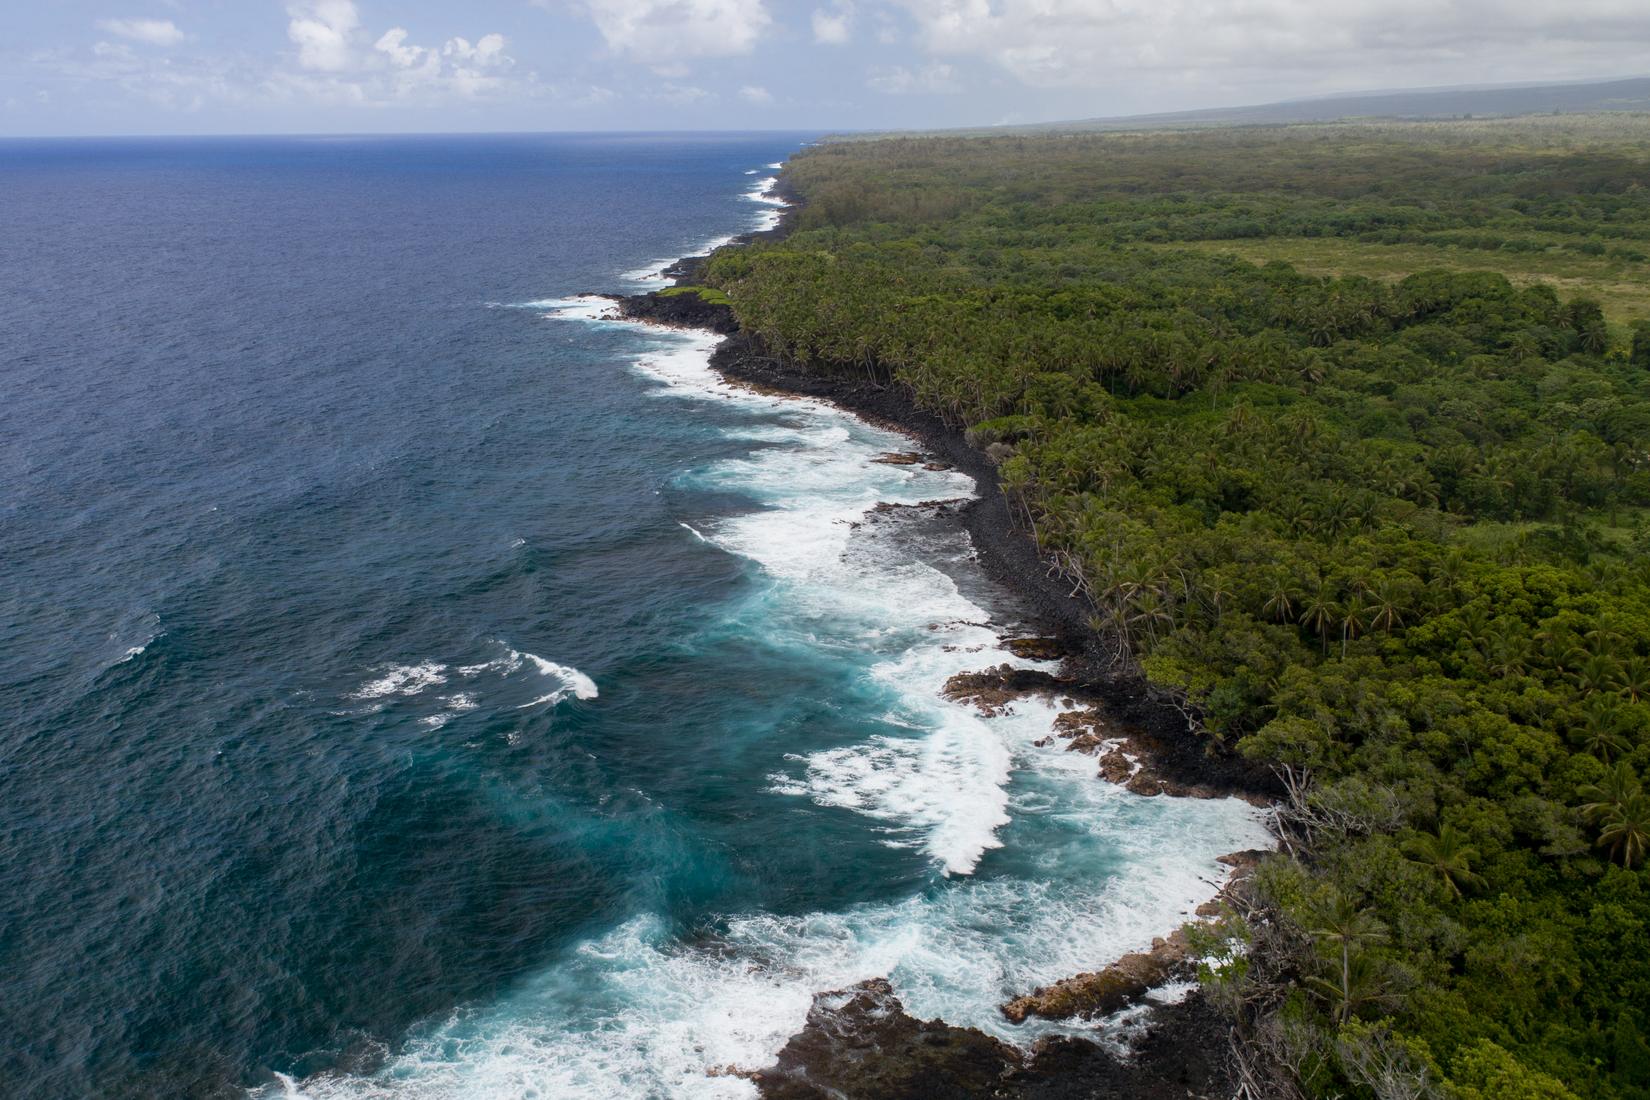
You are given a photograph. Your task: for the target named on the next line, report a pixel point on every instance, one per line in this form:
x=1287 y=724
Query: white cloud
x=392 y=44
x=457 y=66
x=668 y=30
x=323 y=31
x=1271 y=45
x=155 y=32
x=336 y=62
x=833 y=26
x=900 y=80
x=488 y=51
x=755 y=93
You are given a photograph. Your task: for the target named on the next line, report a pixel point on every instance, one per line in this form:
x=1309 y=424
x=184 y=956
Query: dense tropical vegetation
x=1387 y=536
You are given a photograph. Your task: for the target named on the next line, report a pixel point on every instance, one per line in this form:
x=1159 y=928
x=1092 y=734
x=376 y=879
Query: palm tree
x=1601 y=729
x=1524 y=346
x=1354 y=616
x=1449 y=855
x=1280 y=597
x=1217 y=592
x=1622 y=812
x=1618 y=787
x=1363 y=981
x=1318 y=611
x=1598 y=672
x=1150 y=609
x=1626 y=830
x=1507 y=651
x=1635 y=679
x=1386 y=604
x=1450 y=570
x=1344 y=926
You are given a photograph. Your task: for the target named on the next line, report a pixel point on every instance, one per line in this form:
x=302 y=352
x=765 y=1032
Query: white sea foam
x=402 y=680
x=763 y=192
x=581 y=307
x=455 y=704
x=407 y=681
x=651 y=272
x=570 y=681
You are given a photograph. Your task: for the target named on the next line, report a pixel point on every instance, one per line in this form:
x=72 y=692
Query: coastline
x=860 y=1040
x=1006 y=550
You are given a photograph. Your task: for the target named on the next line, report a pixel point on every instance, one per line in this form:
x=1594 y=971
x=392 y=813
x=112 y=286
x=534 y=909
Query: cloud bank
x=155 y=32
x=670 y=30
x=1265 y=43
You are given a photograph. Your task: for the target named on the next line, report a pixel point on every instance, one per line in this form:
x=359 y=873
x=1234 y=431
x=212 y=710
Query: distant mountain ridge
x=1632 y=94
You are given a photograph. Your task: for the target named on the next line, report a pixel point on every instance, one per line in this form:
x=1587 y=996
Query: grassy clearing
x=707 y=294
x=1621 y=287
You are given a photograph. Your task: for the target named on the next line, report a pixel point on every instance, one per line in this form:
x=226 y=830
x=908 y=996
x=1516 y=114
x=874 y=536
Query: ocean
x=415 y=685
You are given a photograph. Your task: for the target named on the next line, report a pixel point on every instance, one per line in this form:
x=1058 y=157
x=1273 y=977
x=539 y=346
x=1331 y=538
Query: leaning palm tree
x=1449 y=856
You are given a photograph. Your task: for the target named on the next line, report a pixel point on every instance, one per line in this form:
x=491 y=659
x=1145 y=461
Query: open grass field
x=1622 y=287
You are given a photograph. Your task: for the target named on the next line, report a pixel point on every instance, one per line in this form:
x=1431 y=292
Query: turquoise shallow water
x=427 y=688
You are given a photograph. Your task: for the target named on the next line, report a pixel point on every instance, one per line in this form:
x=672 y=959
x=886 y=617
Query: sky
x=73 y=67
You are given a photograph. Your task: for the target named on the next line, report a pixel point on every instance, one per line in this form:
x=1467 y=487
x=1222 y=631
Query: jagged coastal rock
x=861 y=1042
x=1088 y=996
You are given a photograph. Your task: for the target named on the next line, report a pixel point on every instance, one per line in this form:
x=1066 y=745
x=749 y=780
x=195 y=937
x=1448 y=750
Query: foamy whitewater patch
x=763 y=192
x=402 y=680
x=595 y=308
x=1041 y=870
x=570 y=681
x=491 y=678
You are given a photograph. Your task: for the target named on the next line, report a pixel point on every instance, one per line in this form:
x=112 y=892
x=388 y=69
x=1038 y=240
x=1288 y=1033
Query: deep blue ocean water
x=416 y=685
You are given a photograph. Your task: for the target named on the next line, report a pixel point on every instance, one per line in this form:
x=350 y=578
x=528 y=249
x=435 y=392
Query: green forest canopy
x=1387 y=535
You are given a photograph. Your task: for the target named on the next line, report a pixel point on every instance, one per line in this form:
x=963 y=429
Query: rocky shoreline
x=1006 y=551
x=860 y=1042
